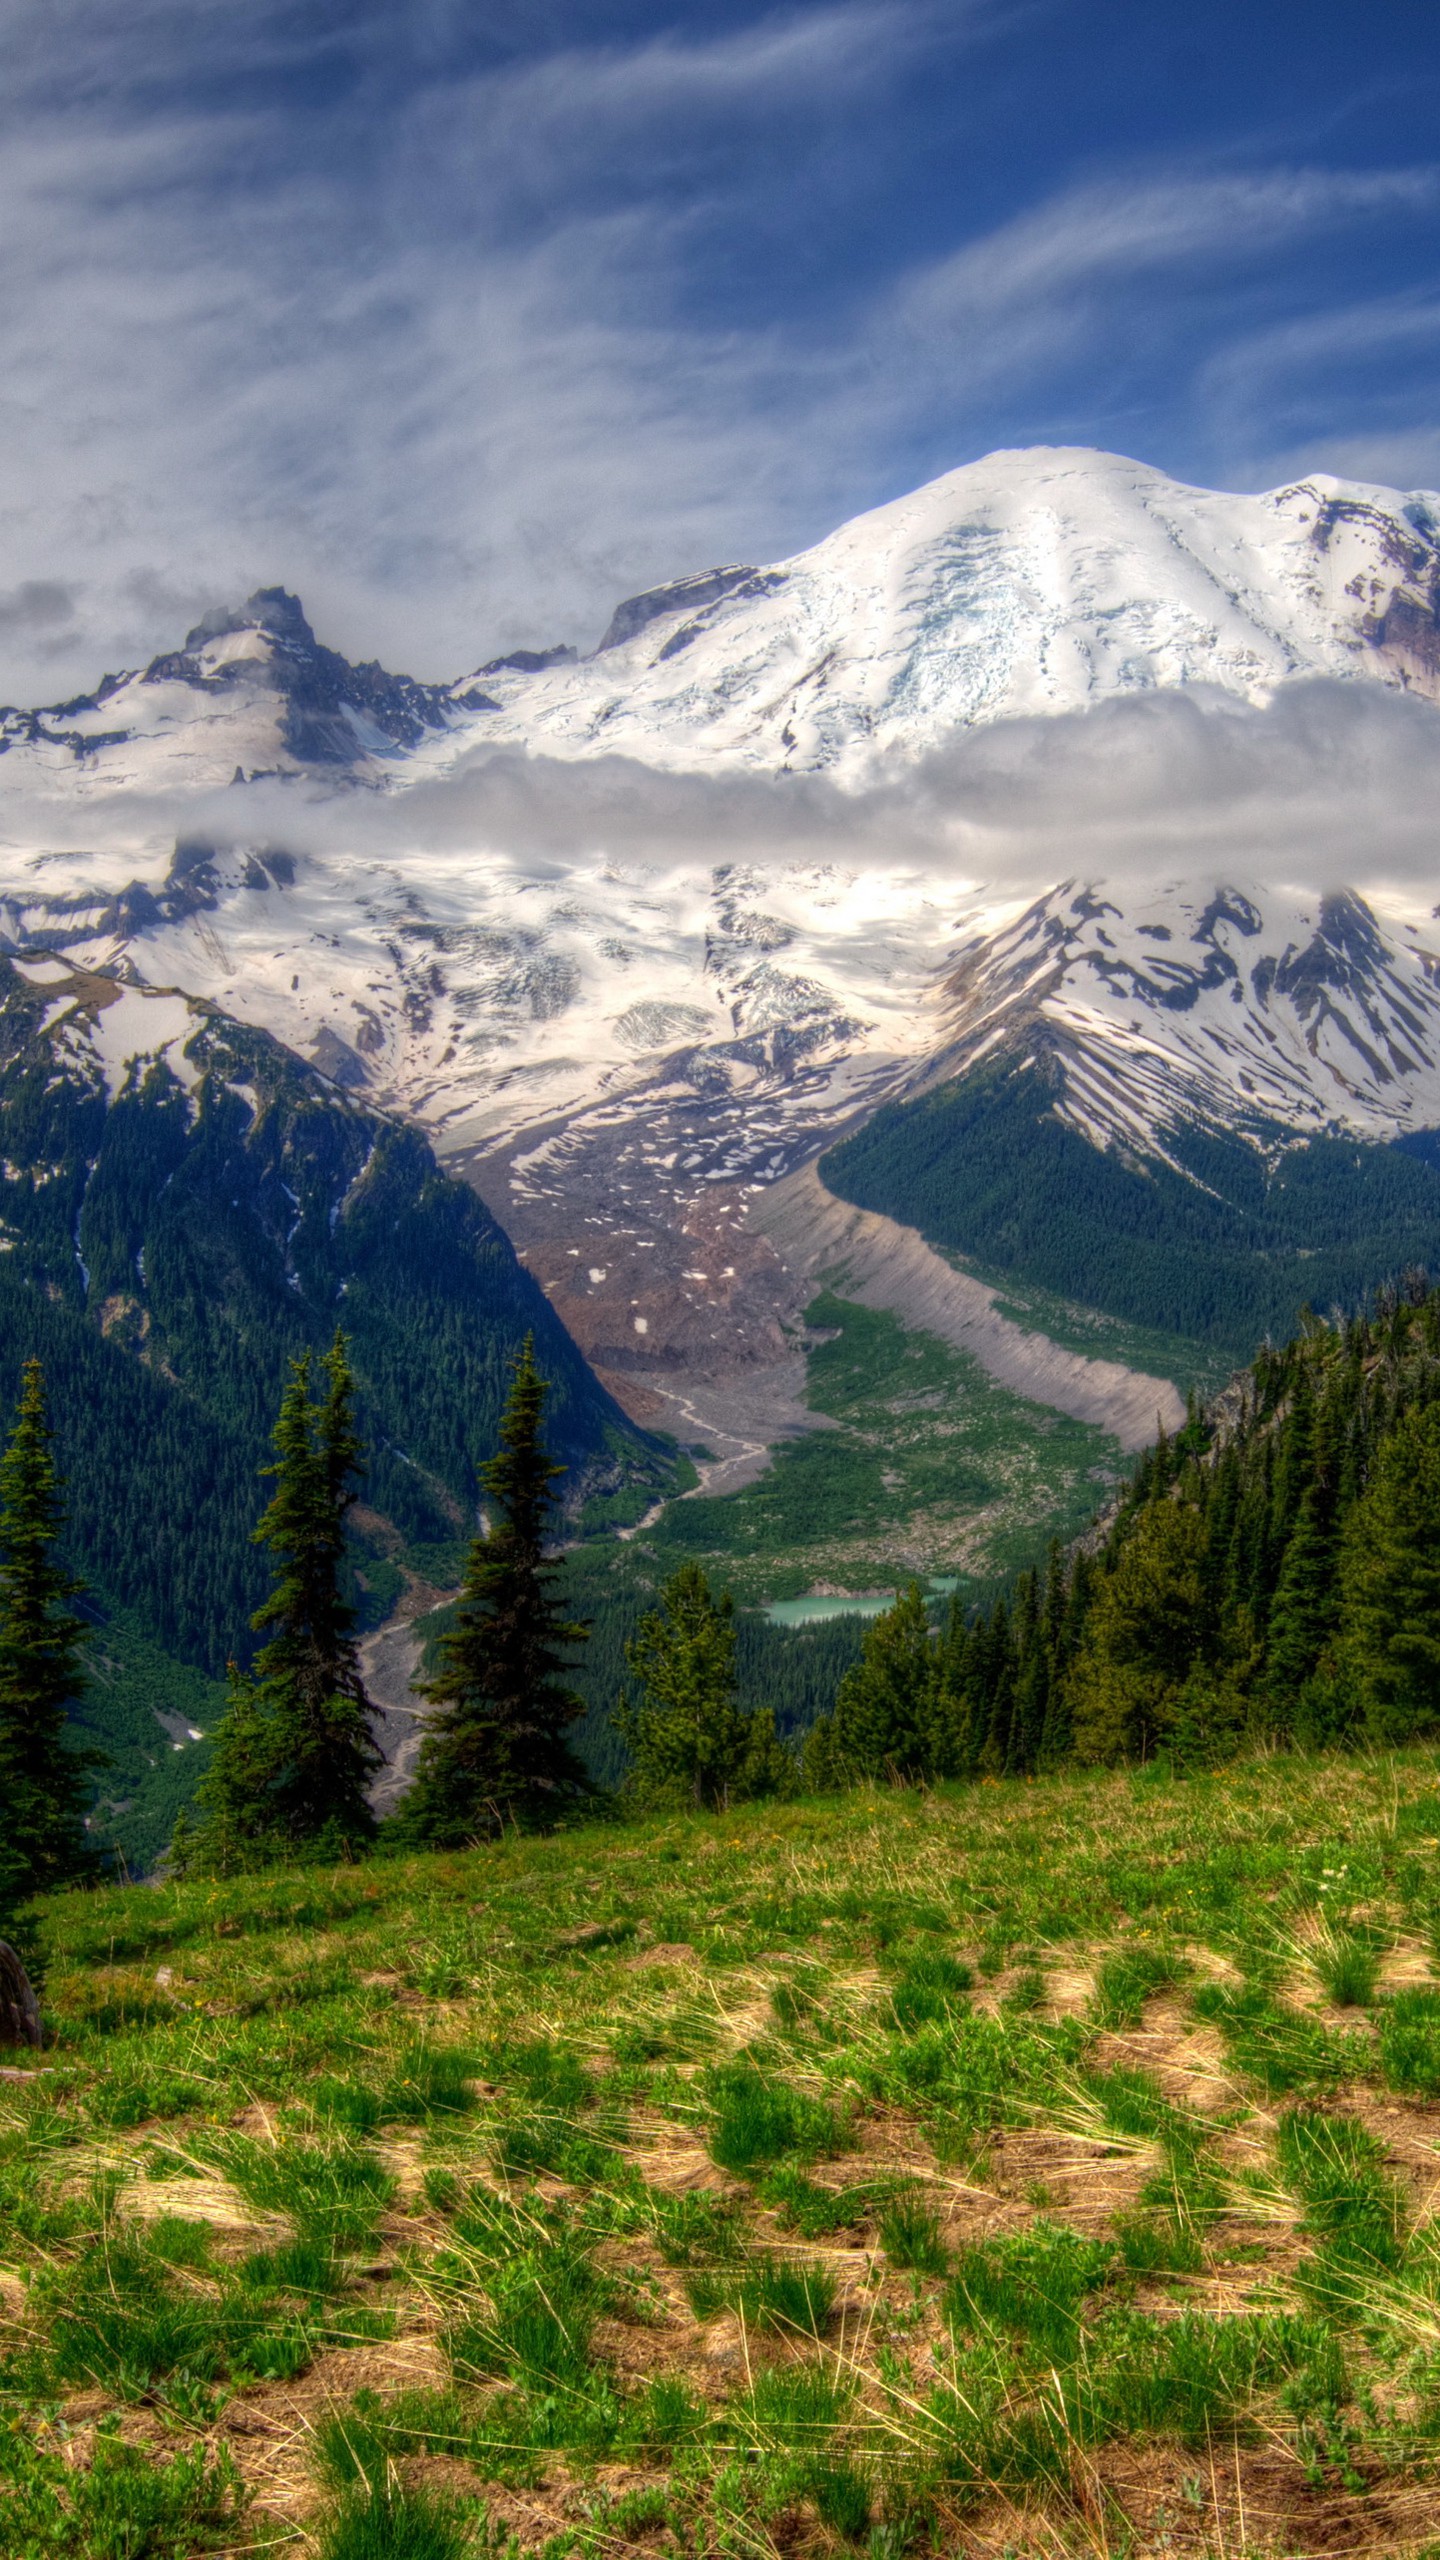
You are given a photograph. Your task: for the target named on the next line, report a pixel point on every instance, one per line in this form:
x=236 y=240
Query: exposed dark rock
x=684 y=595
x=19 y=2008
x=336 y=1059
x=530 y=662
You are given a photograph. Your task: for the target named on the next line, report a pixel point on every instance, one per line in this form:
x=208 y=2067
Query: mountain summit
x=253 y=690
x=1034 y=582
x=1031 y=582
x=626 y=1037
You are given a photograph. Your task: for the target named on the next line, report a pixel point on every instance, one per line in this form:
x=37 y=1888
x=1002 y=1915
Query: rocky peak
x=272 y=610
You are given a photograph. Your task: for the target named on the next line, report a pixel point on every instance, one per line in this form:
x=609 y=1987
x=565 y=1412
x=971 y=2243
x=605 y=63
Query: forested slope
x=174 y=1232
x=1271 y=1575
x=1224 y=1243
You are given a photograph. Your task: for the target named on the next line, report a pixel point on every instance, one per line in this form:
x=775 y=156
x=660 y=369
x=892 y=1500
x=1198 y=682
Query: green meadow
x=1017 y=2169
x=927 y=1466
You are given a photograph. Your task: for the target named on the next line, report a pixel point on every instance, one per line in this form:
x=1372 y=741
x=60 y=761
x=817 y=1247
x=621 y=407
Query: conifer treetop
x=495 y=1749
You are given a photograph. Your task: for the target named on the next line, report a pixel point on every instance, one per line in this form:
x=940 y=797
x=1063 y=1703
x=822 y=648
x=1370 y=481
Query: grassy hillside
x=1041 y=2168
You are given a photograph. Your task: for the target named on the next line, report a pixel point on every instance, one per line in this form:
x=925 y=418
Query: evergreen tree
x=1072 y=1605
x=1247 y=1577
x=692 y=1741
x=238 y=1824
x=1304 y=1611
x=1294 y=1464
x=308 y=1675
x=42 y=1780
x=496 y=1748
x=1144 y=1634
x=954 y=1706
x=1390 y=1584
x=995 y=1691
x=1222 y=1511
x=1032 y=1677
x=293 y=1754
x=889 y=1714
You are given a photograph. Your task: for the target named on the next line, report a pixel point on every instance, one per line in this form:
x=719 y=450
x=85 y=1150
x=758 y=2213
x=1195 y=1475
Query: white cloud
x=1330 y=784
x=446 y=366
x=458 y=402
x=1269 y=392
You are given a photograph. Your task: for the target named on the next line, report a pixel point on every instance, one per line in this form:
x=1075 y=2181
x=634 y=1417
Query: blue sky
x=465 y=321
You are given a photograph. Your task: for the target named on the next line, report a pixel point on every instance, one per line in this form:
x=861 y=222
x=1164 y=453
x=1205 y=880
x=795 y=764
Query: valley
x=879 y=1182
x=924 y=1467
x=914 y=1465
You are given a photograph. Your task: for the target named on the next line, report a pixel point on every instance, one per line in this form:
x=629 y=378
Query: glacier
x=624 y=1047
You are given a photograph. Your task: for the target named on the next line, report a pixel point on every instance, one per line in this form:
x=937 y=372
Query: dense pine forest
x=1271 y=1575
x=1222 y=1244
x=168 y=1252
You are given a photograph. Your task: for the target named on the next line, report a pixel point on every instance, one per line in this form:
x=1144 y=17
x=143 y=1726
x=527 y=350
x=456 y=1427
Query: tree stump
x=19 y=2008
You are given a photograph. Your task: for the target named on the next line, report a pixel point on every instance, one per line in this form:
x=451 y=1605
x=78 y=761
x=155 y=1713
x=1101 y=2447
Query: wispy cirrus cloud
x=1067 y=283
x=1157 y=222
x=1272 y=393
x=464 y=332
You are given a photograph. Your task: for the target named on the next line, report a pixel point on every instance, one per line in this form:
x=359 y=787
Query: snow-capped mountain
x=622 y=1046
x=251 y=694
x=1232 y=1009
x=1032 y=582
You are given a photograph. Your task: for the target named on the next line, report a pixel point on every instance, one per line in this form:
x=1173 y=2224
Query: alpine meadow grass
x=1035 y=2168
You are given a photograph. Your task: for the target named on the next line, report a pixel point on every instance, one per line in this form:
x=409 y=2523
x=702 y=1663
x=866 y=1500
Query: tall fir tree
x=237 y=1823
x=1032 y=1677
x=308 y=1675
x=42 y=1778
x=1390 y=1584
x=954 y=1701
x=890 y=1710
x=1071 y=1608
x=1305 y=1609
x=294 y=1753
x=996 y=1685
x=495 y=1749
x=1144 y=1632
x=692 y=1742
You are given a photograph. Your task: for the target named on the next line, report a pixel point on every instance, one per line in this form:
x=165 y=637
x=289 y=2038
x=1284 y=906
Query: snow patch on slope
x=1035 y=582
x=140 y=1025
x=1231 y=1006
